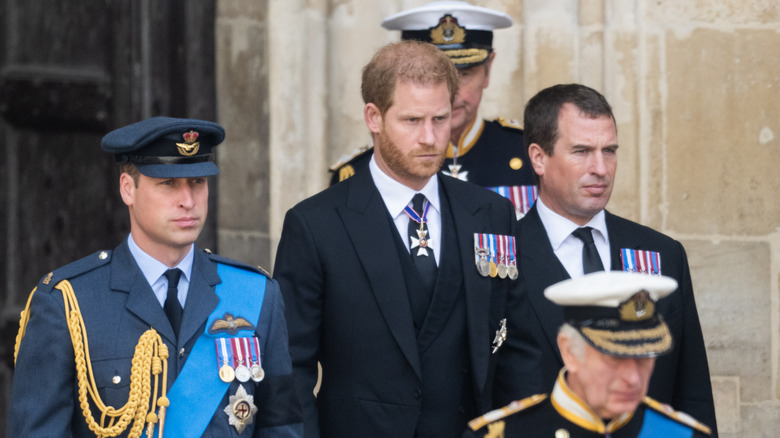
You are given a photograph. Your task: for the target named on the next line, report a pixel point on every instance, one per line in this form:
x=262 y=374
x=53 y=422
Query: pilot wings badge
x=230 y=324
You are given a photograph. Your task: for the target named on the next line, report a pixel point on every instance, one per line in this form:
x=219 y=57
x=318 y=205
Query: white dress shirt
x=396 y=196
x=568 y=248
x=154 y=271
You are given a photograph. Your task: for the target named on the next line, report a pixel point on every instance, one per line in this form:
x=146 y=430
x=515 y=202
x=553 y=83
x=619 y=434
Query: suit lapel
x=365 y=219
x=469 y=216
x=127 y=276
x=201 y=298
x=541 y=268
x=448 y=282
x=618 y=238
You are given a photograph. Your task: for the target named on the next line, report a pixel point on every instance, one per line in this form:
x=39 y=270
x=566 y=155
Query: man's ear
x=373 y=118
x=570 y=360
x=127 y=188
x=488 y=66
x=538 y=158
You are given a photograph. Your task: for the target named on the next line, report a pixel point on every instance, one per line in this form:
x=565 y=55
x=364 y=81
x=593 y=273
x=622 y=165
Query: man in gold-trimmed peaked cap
x=182 y=342
x=487 y=153
x=609 y=341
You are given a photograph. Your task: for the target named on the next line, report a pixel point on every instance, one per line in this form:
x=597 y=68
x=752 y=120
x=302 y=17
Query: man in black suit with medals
x=572 y=142
x=380 y=277
x=489 y=153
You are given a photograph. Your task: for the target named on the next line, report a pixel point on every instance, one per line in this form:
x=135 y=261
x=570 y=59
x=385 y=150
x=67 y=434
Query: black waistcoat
x=440 y=323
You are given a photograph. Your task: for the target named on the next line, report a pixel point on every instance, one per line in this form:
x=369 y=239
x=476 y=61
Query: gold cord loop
x=149 y=359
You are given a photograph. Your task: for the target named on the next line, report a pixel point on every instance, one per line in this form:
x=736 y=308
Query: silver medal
x=483 y=264
x=242 y=373
x=257 y=373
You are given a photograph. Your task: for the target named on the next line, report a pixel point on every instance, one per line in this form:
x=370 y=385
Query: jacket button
x=417 y=393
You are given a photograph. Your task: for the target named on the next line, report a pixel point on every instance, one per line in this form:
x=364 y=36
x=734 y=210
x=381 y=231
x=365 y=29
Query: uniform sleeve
x=693 y=392
x=279 y=413
x=300 y=276
x=43 y=390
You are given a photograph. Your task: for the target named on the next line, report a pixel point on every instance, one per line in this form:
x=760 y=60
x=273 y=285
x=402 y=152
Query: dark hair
x=408 y=61
x=540 y=119
x=130 y=169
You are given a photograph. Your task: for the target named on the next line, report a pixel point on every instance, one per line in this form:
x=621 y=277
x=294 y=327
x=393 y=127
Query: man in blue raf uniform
x=609 y=343
x=572 y=141
x=487 y=153
x=156 y=337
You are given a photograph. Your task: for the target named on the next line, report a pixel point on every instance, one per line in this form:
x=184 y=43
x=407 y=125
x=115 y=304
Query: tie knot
x=173 y=276
x=417 y=202
x=584 y=234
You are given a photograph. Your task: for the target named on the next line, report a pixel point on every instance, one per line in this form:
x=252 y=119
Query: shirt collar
x=468 y=139
x=559 y=228
x=396 y=195
x=152 y=268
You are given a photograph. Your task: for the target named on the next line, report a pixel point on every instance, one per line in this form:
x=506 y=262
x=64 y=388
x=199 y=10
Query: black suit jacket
x=347 y=307
x=681 y=378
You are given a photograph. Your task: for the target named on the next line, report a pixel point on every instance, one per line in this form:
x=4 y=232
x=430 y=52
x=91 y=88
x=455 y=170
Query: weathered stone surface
x=721 y=109
x=694 y=87
x=242 y=9
x=725 y=390
x=731 y=283
x=759 y=420
x=713 y=11
x=250 y=248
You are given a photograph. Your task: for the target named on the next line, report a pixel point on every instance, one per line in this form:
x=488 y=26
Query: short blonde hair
x=407 y=61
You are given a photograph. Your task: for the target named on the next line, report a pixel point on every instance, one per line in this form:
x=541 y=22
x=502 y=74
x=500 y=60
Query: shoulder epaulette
x=680 y=417
x=500 y=413
x=511 y=123
x=227 y=261
x=75 y=269
x=346 y=158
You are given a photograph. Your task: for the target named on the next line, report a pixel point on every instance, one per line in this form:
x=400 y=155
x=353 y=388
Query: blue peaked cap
x=166 y=147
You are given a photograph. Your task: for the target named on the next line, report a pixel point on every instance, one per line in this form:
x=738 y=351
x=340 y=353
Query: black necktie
x=172 y=306
x=419 y=239
x=591 y=262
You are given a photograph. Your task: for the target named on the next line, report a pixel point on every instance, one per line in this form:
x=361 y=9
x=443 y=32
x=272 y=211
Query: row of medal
x=494 y=255
x=522 y=197
x=239 y=359
x=637 y=260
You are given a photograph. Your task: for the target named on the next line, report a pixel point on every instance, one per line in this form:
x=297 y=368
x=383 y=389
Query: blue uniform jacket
x=118 y=306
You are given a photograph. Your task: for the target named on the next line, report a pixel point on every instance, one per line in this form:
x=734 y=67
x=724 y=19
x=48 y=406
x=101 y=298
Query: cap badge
x=448 y=31
x=230 y=324
x=637 y=308
x=190 y=146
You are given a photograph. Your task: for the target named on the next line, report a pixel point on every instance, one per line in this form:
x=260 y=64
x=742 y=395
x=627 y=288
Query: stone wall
x=695 y=85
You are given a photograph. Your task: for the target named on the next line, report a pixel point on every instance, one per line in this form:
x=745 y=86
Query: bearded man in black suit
x=385 y=294
x=571 y=137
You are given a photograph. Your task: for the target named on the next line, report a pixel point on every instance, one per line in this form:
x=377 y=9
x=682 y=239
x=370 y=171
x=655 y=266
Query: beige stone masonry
x=695 y=85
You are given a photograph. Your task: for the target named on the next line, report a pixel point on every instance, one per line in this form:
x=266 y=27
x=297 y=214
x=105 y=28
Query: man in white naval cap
x=609 y=342
x=487 y=153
